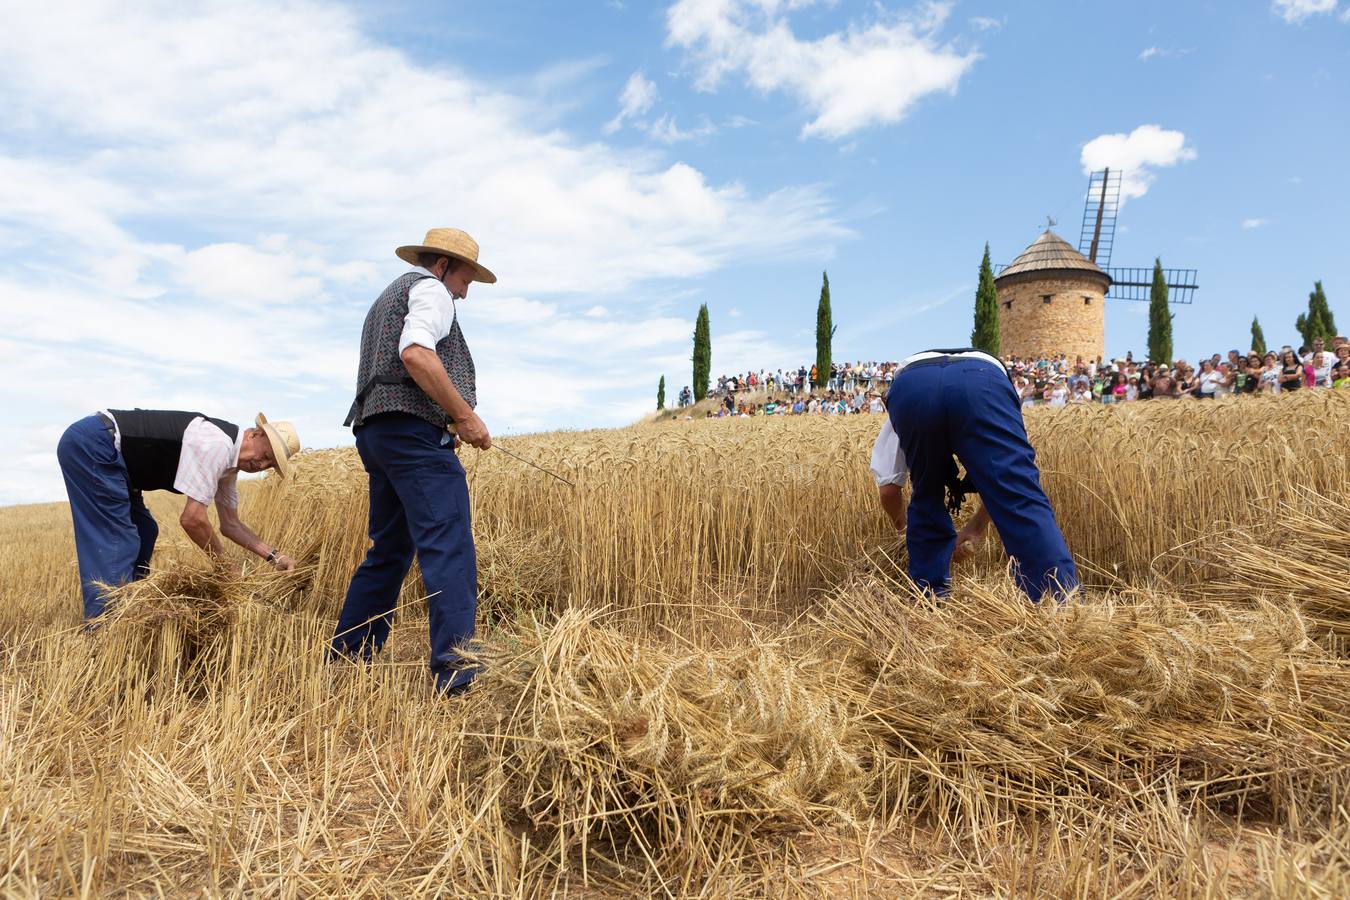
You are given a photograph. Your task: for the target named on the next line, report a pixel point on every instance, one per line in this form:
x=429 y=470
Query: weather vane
x=1050 y=222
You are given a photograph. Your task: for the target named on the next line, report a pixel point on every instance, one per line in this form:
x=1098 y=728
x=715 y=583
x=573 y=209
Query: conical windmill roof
x=1047 y=253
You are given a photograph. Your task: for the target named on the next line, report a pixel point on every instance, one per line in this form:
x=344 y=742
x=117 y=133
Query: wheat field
x=706 y=675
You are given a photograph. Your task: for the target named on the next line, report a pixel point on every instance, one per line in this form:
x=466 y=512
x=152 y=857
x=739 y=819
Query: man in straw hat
x=960 y=404
x=110 y=458
x=415 y=381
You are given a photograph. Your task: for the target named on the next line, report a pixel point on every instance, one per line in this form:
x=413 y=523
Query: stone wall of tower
x=1052 y=315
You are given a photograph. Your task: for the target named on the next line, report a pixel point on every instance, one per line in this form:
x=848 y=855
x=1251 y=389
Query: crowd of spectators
x=1052 y=380
x=1055 y=381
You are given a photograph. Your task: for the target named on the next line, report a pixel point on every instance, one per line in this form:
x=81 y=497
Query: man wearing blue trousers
x=960 y=403
x=415 y=380
x=110 y=458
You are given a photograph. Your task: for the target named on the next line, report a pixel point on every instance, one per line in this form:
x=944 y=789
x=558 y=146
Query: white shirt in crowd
x=208 y=466
x=1209 y=381
x=431 y=312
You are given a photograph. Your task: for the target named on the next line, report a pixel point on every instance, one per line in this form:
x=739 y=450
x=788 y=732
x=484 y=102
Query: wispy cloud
x=1250 y=224
x=1138 y=154
x=1295 y=11
x=986 y=23
x=637 y=96
x=1156 y=52
x=868 y=74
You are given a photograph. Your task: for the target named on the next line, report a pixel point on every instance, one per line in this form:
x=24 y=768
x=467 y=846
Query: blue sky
x=198 y=203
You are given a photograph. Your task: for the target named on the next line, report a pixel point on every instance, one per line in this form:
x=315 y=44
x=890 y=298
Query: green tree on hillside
x=661 y=393
x=1159 y=318
x=824 y=332
x=984 y=336
x=1318 y=320
x=1258 y=337
x=702 y=354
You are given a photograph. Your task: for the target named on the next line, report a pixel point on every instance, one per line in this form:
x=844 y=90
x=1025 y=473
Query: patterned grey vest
x=382 y=382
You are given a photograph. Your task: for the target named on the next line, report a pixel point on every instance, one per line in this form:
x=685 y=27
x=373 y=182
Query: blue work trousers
x=968 y=408
x=419 y=503
x=114 y=532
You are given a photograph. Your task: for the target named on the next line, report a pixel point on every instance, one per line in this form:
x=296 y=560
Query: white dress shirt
x=431 y=312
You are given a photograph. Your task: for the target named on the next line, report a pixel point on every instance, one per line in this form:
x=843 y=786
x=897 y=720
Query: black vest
x=152 y=442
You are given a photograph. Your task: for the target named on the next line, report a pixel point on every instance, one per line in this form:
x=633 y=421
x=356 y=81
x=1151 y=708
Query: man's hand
x=473 y=432
x=966 y=544
x=970 y=537
x=283 y=563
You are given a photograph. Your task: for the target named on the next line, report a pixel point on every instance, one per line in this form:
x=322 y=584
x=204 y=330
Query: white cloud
x=1294 y=11
x=197 y=207
x=667 y=131
x=1163 y=52
x=597 y=312
x=1254 y=223
x=986 y=23
x=869 y=74
x=637 y=96
x=1137 y=154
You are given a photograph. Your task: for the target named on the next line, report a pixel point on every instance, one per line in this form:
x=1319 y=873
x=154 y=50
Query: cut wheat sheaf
x=705 y=674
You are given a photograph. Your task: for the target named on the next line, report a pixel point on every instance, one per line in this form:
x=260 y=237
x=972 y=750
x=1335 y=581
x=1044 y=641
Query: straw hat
x=449 y=242
x=285 y=442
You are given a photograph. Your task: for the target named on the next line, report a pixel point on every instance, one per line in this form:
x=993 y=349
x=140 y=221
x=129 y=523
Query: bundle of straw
x=609 y=746
x=990 y=700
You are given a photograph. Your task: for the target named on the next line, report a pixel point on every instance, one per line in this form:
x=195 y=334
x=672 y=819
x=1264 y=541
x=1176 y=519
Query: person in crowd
x=1319 y=369
x=1163 y=387
x=1119 y=388
x=948 y=406
x=1270 y=373
x=416 y=393
x=109 y=459
x=1291 y=371
x=1340 y=374
x=1209 y=380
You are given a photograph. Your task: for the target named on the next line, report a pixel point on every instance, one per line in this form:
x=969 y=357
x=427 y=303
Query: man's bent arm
x=427 y=371
x=241 y=534
x=892 y=499
x=198 y=527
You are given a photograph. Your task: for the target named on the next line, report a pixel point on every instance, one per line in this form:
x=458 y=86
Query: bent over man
x=960 y=403
x=415 y=380
x=110 y=458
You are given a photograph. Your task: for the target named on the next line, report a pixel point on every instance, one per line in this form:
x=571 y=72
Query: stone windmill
x=1052 y=297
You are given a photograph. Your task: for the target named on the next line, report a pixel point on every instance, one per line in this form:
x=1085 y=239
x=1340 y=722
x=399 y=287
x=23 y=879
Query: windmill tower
x=1052 y=297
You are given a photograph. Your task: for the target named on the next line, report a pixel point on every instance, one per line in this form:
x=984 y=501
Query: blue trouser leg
x=107 y=542
x=990 y=439
x=433 y=497
x=920 y=422
x=147 y=529
x=368 y=611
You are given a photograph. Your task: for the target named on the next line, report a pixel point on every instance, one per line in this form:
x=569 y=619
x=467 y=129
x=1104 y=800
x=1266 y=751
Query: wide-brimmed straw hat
x=285 y=442
x=449 y=242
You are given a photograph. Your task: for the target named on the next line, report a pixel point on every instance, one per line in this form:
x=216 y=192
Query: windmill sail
x=1135 y=284
x=1099 y=216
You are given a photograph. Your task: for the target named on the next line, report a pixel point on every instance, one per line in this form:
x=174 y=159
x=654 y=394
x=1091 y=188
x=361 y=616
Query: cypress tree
x=824 y=332
x=1159 y=318
x=1317 y=301
x=1258 y=337
x=661 y=393
x=984 y=336
x=702 y=354
x=1318 y=320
